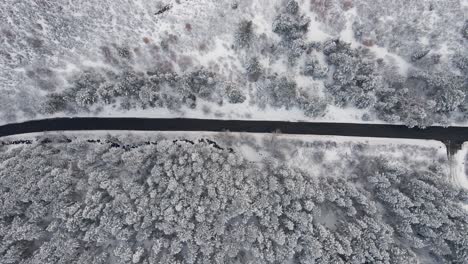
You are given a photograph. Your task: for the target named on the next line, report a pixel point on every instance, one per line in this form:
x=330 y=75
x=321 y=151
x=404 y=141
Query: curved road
x=453 y=137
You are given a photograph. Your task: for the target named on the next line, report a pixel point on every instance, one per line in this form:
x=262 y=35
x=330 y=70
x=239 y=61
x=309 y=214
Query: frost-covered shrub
x=54 y=103
x=124 y=52
x=106 y=93
x=130 y=83
x=234 y=95
x=171 y=79
x=313 y=106
x=309 y=67
x=171 y=102
x=402 y=34
x=44 y=78
x=86 y=97
x=364 y=101
x=445 y=89
x=354 y=77
x=150 y=94
x=283 y=92
x=278 y=92
x=464 y=31
x=461 y=62
x=397 y=104
x=421 y=99
x=417 y=55
x=135 y=90
x=88 y=79
x=190 y=100
x=201 y=82
x=290 y=24
x=312 y=67
x=366 y=117
x=254 y=70
x=244 y=34
x=294 y=50
x=320 y=71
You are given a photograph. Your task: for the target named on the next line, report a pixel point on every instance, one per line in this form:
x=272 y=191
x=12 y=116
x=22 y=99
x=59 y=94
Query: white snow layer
x=459 y=166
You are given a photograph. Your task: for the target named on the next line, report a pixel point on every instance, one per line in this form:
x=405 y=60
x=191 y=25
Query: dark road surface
x=452 y=137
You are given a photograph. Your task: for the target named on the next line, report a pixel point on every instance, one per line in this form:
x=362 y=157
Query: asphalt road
x=453 y=137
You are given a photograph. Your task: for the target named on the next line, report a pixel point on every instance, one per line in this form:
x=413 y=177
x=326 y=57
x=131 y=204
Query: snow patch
x=459 y=168
x=315 y=32
x=348 y=34
x=464 y=3
x=383 y=53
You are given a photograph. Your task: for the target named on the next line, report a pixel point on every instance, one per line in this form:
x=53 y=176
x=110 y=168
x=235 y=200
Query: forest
x=109 y=199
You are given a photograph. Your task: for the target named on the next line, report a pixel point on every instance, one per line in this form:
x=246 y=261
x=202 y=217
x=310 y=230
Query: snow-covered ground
x=244 y=111
x=460 y=166
x=301 y=151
